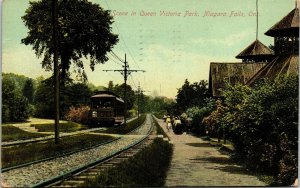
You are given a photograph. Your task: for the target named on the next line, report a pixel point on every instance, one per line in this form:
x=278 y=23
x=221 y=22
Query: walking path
x=196 y=163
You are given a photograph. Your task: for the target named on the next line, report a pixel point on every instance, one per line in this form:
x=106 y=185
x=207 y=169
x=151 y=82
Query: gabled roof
x=287 y=26
x=281 y=65
x=255 y=50
x=234 y=73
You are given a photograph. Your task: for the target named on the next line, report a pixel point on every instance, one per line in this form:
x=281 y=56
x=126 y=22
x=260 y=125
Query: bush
x=79 y=114
x=147 y=168
x=212 y=123
x=197 y=114
x=263 y=125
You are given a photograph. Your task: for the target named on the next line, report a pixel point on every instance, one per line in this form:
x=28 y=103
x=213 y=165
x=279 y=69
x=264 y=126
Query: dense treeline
x=24 y=97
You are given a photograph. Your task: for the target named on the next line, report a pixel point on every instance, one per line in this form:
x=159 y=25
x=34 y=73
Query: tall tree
x=84 y=30
x=130 y=96
x=110 y=86
x=28 y=90
x=190 y=95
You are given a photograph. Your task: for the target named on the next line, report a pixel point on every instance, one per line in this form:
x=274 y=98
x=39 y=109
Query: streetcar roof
x=107 y=94
x=103 y=96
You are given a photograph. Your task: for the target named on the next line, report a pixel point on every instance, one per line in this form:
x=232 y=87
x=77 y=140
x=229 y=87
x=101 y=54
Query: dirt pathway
x=196 y=163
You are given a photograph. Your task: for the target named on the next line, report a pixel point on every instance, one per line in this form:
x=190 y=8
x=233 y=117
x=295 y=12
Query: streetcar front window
x=103 y=103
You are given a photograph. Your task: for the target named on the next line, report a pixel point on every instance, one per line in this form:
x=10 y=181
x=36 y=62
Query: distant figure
x=169 y=123
x=178 y=129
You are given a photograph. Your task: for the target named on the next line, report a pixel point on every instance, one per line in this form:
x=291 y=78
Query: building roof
x=287 y=26
x=281 y=65
x=222 y=73
x=255 y=50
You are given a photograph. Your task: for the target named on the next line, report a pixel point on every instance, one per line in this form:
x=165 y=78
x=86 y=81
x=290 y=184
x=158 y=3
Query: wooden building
x=258 y=61
x=286 y=47
x=256 y=52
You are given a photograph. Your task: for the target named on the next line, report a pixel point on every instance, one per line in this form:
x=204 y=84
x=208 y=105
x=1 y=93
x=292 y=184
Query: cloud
x=229 y=41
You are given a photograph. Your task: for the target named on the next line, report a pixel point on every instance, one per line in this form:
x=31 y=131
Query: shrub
x=212 y=123
x=263 y=125
x=78 y=114
x=198 y=113
x=147 y=168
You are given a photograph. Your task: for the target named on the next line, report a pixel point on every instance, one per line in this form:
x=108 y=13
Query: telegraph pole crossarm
x=125 y=72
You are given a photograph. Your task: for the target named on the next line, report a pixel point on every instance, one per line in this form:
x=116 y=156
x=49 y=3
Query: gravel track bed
x=36 y=173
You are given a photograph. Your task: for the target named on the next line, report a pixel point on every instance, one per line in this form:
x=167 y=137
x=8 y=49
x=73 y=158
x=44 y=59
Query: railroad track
x=78 y=178
x=51 y=137
x=53 y=171
x=56 y=156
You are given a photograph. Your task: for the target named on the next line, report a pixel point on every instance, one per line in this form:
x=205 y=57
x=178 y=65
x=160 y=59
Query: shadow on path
x=224 y=164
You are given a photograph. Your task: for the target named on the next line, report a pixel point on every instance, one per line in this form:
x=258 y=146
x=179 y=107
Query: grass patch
x=148 y=168
x=12 y=133
x=19 y=154
x=63 y=127
x=124 y=129
x=159 y=115
x=159 y=130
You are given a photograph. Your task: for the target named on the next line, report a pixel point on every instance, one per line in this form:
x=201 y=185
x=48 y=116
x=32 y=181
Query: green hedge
x=147 y=168
x=262 y=123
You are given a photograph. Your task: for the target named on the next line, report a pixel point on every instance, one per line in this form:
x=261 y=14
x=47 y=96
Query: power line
x=114 y=60
x=125 y=72
x=124 y=40
x=115 y=55
x=133 y=81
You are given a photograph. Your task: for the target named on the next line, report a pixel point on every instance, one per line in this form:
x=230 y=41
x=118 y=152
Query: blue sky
x=169 y=48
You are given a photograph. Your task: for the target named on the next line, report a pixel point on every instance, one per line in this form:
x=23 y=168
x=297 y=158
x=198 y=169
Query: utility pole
x=139 y=93
x=125 y=72
x=56 y=69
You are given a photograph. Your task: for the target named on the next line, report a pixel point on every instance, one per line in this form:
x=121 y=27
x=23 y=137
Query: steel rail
x=41 y=139
x=82 y=168
x=64 y=154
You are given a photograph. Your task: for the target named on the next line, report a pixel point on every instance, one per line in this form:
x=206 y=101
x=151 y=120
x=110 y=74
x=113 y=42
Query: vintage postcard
x=161 y=93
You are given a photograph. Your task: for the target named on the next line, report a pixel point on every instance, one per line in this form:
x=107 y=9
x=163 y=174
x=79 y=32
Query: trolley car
x=106 y=109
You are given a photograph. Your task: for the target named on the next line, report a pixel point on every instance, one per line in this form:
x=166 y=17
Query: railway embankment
x=36 y=173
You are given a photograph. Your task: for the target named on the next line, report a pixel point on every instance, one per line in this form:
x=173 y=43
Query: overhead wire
x=114 y=60
x=129 y=51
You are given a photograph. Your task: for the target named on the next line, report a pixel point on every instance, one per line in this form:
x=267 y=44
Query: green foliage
x=190 y=95
x=148 y=168
x=263 y=125
x=28 y=90
x=84 y=30
x=197 y=114
x=71 y=94
x=161 y=105
x=130 y=95
x=15 y=106
x=44 y=100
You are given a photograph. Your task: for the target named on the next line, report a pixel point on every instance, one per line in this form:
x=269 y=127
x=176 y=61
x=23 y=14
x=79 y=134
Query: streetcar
x=106 y=108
